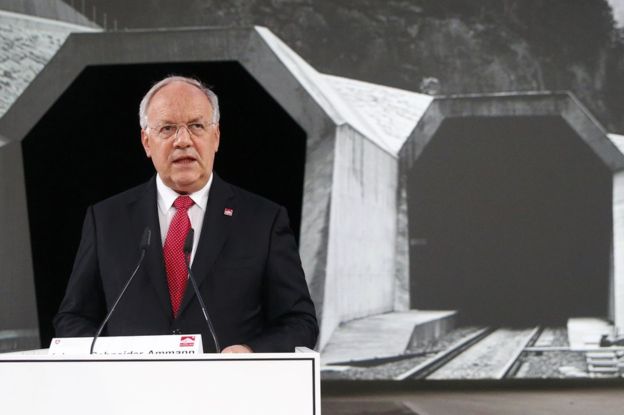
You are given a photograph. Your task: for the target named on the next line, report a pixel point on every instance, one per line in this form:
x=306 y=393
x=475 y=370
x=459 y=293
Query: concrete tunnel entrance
x=87 y=147
x=510 y=222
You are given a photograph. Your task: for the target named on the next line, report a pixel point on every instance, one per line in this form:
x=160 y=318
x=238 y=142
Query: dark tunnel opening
x=510 y=223
x=87 y=147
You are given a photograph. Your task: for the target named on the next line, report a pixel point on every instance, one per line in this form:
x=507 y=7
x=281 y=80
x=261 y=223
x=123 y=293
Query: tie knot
x=183 y=202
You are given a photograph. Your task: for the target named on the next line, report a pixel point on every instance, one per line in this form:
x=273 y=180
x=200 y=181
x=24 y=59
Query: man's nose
x=183 y=137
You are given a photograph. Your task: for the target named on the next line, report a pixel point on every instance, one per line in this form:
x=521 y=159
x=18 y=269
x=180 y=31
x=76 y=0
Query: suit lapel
x=144 y=213
x=215 y=232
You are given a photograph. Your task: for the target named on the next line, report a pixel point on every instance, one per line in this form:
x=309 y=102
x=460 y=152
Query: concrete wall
x=361 y=247
x=48 y=9
x=19 y=327
x=616 y=296
x=318 y=178
x=401 y=246
x=28 y=43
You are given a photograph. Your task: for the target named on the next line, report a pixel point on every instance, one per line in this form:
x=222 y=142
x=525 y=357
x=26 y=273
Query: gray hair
x=212 y=97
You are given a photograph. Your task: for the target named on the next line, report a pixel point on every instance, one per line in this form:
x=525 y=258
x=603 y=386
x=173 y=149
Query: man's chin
x=188 y=184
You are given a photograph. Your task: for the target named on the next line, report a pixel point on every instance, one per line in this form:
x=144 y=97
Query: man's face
x=184 y=161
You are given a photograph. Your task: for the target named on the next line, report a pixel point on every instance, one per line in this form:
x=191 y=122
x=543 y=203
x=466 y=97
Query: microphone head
x=146 y=238
x=188 y=242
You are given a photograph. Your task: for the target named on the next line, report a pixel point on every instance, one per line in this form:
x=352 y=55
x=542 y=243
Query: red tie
x=173 y=251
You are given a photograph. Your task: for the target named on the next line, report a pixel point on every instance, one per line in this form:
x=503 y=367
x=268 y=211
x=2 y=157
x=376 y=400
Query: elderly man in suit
x=244 y=255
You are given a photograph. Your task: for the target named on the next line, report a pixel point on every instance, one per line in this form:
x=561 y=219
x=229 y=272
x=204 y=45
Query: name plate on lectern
x=147 y=346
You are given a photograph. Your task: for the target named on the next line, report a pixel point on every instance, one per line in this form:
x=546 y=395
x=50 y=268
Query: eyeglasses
x=196 y=129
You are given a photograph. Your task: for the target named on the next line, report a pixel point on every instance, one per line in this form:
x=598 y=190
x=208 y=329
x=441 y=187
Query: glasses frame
x=178 y=127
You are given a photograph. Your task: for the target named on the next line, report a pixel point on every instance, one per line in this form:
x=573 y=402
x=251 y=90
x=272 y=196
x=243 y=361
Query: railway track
x=429 y=366
x=516 y=362
x=488 y=353
x=495 y=353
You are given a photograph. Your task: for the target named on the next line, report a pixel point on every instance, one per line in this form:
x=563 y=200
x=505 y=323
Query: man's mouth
x=184 y=160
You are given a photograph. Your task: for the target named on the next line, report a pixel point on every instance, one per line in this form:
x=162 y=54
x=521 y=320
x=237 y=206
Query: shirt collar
x=166 y=195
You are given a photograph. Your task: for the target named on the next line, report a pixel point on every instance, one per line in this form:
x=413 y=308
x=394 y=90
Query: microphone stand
x=188 y=248
x=145 y=242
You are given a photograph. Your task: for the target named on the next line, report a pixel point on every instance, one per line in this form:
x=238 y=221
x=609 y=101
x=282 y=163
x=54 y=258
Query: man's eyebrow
x=167 y=121
x=164 y=122
x=198 y=118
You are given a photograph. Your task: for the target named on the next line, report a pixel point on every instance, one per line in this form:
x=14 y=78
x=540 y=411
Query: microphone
x=145 y=242
x=188 y=248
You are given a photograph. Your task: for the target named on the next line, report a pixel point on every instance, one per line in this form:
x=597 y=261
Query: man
x=244 y=255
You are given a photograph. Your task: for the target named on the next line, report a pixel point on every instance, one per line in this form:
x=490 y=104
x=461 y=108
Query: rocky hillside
x=439 y=46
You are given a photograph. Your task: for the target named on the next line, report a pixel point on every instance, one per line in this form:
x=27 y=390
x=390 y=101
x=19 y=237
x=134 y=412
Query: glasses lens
x=167 y=131
x=197 y=128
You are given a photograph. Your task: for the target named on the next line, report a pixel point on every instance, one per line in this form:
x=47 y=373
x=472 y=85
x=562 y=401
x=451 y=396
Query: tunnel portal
x=87 y=147
x=510 y=222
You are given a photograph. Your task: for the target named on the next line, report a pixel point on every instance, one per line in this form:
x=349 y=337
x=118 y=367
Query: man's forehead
x=180 y=99
x=178 y=93
x=188 y=112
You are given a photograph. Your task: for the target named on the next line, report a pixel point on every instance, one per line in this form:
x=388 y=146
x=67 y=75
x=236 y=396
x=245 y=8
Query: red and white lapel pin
x=228 y=211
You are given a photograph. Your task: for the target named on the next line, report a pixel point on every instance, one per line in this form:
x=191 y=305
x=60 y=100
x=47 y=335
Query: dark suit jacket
x=247 y=268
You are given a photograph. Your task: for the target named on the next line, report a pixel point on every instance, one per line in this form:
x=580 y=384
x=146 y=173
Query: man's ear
x=217 y=137
x=146 y=143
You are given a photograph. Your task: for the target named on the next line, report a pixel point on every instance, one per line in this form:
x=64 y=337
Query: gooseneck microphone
x=145 y=242
x=188 y=248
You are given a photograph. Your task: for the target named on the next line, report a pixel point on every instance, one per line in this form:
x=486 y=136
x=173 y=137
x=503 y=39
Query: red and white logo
x=228 y=212
x=187 y=341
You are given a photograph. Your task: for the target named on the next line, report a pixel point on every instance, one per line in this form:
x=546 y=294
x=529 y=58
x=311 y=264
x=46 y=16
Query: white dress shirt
x=166 y=211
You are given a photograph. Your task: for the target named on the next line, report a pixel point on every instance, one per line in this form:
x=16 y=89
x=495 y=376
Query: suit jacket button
x=176 y=331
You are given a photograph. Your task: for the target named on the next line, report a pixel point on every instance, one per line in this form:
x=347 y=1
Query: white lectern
x=271 y=383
